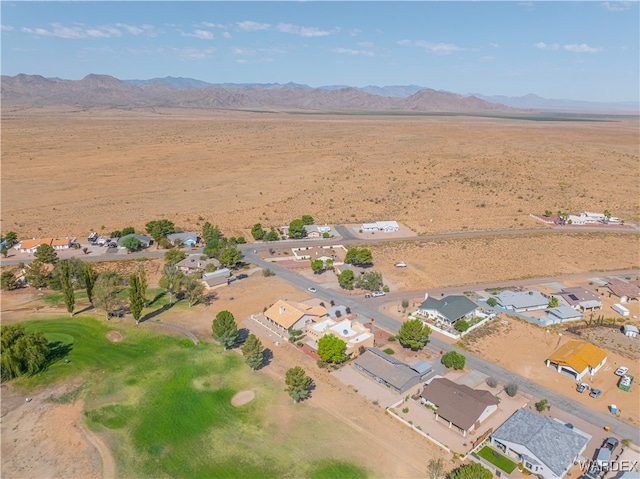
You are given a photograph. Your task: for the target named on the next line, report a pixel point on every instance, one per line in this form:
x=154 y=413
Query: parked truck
x=618 y=308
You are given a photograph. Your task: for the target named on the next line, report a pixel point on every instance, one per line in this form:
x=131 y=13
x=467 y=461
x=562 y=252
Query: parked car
x=595 y=393
x=242 y=276
x=401 y=264
x=610 y=443
x=569 y=425
x=582 y=387
x=375 y=294
x=621 y=371
x=312 y=289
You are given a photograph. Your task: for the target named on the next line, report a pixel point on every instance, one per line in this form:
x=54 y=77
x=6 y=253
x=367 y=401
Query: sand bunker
x=114 y=336
x=243 y=397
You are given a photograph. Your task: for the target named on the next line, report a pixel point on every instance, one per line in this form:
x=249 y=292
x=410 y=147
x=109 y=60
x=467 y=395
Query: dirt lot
x=106 y=169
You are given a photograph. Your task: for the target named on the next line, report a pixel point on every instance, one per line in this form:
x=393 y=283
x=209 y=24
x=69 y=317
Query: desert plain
x=66 y=172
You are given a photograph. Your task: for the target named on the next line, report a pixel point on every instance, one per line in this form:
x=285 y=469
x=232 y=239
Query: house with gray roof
x=559 y=315
x=145 y=241
x=183 y=239
x=217 y=278
x=544 y=446
x=316 y=231
x=389 y=371
x=449 y=309
x=521 y=301
x=196 y=262
x=580 y=298
x=460 y=406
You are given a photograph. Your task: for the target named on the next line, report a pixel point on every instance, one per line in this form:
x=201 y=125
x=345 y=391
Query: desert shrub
x=267 y=272
x=511 y=389
x=492 y=382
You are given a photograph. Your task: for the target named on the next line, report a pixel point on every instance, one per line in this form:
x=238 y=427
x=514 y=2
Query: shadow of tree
x=267 y=357
x=155 y=313
x=155 y=298
x=57 y=351
x=88 y=308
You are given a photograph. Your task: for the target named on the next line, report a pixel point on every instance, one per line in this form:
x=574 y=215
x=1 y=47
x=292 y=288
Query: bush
x=492 y=302
x=511 y=389
x=405 y=410
x=453 y=359
x=321 y=364
x=461 y=325
x=267 y=272
x=388 y=351
x=385 y=288
x=492 y=382
x=391 y=339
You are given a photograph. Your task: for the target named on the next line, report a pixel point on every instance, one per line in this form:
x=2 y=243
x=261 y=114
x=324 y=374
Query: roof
x=622 y=288
x=32 y=243
x=550 y=441
x=451 y=307
x=139 y=237
x=423 y=367
x=521 y=299
x=457 y=403
x=212 y=281
x=224 y=272
x=396 y=373
x=578 y=355
x=564 y=312
x=183 y=237
x=286 y=314
x=631 y=328
x=193 y=261
x=578 y=295
x=60 y=242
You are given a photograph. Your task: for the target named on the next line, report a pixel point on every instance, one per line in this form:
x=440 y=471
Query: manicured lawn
x=165 y=407
x=497 y=459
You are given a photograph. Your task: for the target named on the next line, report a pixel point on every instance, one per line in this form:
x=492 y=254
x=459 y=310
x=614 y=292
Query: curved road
x=369 y=310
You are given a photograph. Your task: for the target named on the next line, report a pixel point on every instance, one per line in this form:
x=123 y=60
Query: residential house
x=216 y=278
x=559 y=315
x=59 y=244
x=544 y=446
x=627 y=292
x=630 y=330
x=384 y=226
x=183 y=239
x=577 y=358
x=389 y=371
x=354 y=334
x=586 y=218
x=145 y=241
x=285 y=315
x=194 y=263
x=459 y=406
x=521 y=301
x=448 y=309
x=30 y=246
x=316 y=231
x=581 y=298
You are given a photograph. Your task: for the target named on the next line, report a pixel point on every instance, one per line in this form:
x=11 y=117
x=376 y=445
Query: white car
x=621 y=371
x=375 y=294
x=401 y=264
x=313 y=290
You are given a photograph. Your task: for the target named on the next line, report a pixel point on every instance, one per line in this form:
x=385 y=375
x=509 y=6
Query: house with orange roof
x=286 y=315
x=577 y=358
x=30 y=246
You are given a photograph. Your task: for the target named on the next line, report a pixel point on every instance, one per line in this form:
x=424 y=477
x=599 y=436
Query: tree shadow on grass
x=267 y=357
x=155 y=298
x=155 y=313
x=57 y=351
x=88 y=308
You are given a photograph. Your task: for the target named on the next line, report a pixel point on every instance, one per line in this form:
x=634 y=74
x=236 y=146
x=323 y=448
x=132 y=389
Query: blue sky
x=563 y=50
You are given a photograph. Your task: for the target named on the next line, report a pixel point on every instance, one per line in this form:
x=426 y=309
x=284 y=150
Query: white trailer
x=618 y=308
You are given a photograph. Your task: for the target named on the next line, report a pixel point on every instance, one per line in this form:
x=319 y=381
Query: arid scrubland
x=66 y=172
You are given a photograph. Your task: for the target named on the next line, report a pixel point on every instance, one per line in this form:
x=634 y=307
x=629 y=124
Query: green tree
x=371 y=281
x=307 y=220
x=129 y=230
x=351 y=256
x=405 y=305
x=272 y=235
x=67 y=287
x=76 y=272
x=8 y=281
x=435 y=469
x=193 y=290
x=160 y=228
x=542 y=405
x=171 y=281
x=413 y=334
x=253 y=352
x=144 y=284
x=105 y=292
x=116 y=234
x=136 y=298
x=11 y=238
x=461 y=325
x=46 y=254
x=364 y=257
x=607 y=216
x=453 y=359
x=553 y=302
x=298 y=384
x=230 y=257
x=317 y=265
x=473 y=470
x=296 y=229
x=174 y=256
x=209 y=232
x=89 y=280
x=346 y=279
x=36 y=274
x=492 y=302
x=225 y=329
x=331 y=349
x=548 y=213
x=511 y=389
x=131 y=243
x=4 y=251
x=257 y=232
x=22 y=352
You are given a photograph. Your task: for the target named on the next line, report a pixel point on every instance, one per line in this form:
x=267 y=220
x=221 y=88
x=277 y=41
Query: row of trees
x=370 y=281
x=22 y=352
x=296 y=230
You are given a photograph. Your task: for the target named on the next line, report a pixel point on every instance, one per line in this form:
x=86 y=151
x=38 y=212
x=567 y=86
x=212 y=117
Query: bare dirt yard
x=74 y=171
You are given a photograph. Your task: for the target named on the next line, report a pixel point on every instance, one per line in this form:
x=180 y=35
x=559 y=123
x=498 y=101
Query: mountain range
x=107 y=91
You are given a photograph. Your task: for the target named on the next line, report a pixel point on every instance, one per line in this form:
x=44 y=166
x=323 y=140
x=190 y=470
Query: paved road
x=368 y=309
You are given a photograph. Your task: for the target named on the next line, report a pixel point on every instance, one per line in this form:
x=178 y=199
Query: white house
x=545 y=447
x=560 y=315
x=385 y=226
x=630 y=331
x=449 y=309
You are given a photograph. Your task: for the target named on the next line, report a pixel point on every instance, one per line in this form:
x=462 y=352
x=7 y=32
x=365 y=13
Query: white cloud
x=365 y=44
x=133 y=30
x=201 y=34
x=494 y=45
x=546 y=46
x=249 y=26
x=618 y=6
x=581 y=48
x=82 y=31
x=242 y=51
x=226 y=35
x=210 y=25
x=6 y=28
x=194 y=53
x=349 y=51
x=304 y=31
x=355 y=32
x=436 y=48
